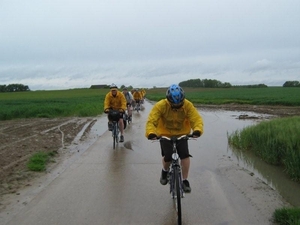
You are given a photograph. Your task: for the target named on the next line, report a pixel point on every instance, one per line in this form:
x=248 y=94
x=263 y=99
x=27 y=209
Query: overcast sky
x=62 y=44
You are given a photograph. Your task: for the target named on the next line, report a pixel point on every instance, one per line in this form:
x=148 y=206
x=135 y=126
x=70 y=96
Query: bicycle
x=115 y=116
x=138 y=106
x=127 y=117
x=175 y=176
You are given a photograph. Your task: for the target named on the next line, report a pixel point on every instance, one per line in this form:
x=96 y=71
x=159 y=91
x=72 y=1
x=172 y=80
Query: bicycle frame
x=115 y=117
x=115 y=133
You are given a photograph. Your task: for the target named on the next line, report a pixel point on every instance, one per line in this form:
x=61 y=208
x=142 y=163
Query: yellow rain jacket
x=115 y=102
x=137 y=95
x=164 y=121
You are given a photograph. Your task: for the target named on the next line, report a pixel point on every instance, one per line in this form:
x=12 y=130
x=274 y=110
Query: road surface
x=121 y=186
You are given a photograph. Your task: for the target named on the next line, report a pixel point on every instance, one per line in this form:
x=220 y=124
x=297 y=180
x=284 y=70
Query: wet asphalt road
x=121 y=186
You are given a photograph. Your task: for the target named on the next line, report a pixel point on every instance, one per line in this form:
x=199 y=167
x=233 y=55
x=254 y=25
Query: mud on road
x=20 y=139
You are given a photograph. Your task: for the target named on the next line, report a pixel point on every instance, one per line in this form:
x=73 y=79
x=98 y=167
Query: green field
x=89 y=102
x=50 y=104
x=253 y=96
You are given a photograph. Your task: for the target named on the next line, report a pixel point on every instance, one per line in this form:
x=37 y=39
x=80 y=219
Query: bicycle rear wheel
x=178 y=195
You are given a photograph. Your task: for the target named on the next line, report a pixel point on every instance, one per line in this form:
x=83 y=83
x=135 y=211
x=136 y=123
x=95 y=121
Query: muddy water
x=217 y=123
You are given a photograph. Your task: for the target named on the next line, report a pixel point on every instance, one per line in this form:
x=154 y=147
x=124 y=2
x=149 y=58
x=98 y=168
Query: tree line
x=212 y=83
x=14 y=88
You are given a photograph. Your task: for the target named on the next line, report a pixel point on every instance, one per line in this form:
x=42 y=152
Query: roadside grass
x=38 y=161
x=277 y=142
x=287 y=216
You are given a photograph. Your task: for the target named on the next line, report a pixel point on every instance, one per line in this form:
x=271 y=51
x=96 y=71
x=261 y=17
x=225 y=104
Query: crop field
x=253 y=96
x=50 y=104
x=89 y=102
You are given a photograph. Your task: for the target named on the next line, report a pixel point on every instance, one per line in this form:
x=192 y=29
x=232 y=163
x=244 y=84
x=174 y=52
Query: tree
x=14 y=88
x=291 y=84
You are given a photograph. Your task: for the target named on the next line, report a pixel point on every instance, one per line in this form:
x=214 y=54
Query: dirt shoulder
x=21 y=138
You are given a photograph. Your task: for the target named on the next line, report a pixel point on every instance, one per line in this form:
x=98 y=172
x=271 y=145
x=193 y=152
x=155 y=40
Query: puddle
x=218 y=124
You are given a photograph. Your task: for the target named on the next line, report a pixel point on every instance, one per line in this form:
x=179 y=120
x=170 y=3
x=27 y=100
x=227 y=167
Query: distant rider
x=115 y=100
x=129 y=100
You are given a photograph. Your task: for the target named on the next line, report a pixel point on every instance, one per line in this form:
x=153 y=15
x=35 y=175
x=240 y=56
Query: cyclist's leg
x=185 y=165
x=183 y=152
x=166 y=152
x=129 y=110
x=121 y=124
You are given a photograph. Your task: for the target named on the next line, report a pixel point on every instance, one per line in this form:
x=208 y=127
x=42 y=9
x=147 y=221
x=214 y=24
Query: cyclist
x=143 y=93
x=137 y=96
x=115 y=100
x=129 y=99
x=174 y=116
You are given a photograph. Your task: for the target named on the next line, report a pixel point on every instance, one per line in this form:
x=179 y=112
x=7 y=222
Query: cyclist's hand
x=196 y=134
x=106 y=111
x=121 y=110
x=152 y=137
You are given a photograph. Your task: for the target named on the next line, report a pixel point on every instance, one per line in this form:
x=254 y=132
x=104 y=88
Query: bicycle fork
x=171 y=180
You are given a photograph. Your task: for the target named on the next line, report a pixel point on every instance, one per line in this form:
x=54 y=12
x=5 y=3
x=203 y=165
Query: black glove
x=196 y=133
x=152 y=136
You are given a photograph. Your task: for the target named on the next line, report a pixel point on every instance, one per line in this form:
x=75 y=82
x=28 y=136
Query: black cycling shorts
x=167 y=149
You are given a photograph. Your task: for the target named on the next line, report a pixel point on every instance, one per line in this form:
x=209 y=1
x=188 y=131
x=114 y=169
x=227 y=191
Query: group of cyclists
x=172 y=116
x=124 y=101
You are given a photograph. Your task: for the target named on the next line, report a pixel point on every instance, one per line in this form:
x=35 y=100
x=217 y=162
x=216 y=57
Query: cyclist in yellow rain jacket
x=137 y=97
x=115 y=100
x=174 y=116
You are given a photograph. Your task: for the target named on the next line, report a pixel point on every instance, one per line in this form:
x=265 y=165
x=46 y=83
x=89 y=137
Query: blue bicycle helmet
x=175 y=96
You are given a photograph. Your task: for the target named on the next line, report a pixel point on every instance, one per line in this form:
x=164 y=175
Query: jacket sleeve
x=107 y=101
x=152 y=121
x=195 y=119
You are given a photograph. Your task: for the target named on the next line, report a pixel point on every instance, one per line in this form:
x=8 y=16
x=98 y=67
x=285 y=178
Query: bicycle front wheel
x=178 y=194
x=115 y=135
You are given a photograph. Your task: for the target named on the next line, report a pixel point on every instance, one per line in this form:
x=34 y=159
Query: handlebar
x=174 y=138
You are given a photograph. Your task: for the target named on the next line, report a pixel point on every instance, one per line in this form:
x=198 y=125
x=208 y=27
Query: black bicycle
x=115 y=116
x=137 y=105
x=175 y=176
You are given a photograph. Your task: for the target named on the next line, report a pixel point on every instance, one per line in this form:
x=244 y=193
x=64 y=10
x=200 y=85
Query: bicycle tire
x=178 y=195
x=114 y=136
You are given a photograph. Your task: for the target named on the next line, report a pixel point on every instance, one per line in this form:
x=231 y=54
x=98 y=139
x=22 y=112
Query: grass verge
x=287 y=216
x=276 y=142
x=39 y=160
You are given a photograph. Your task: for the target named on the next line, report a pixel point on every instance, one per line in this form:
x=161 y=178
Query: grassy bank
x=276 y=142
